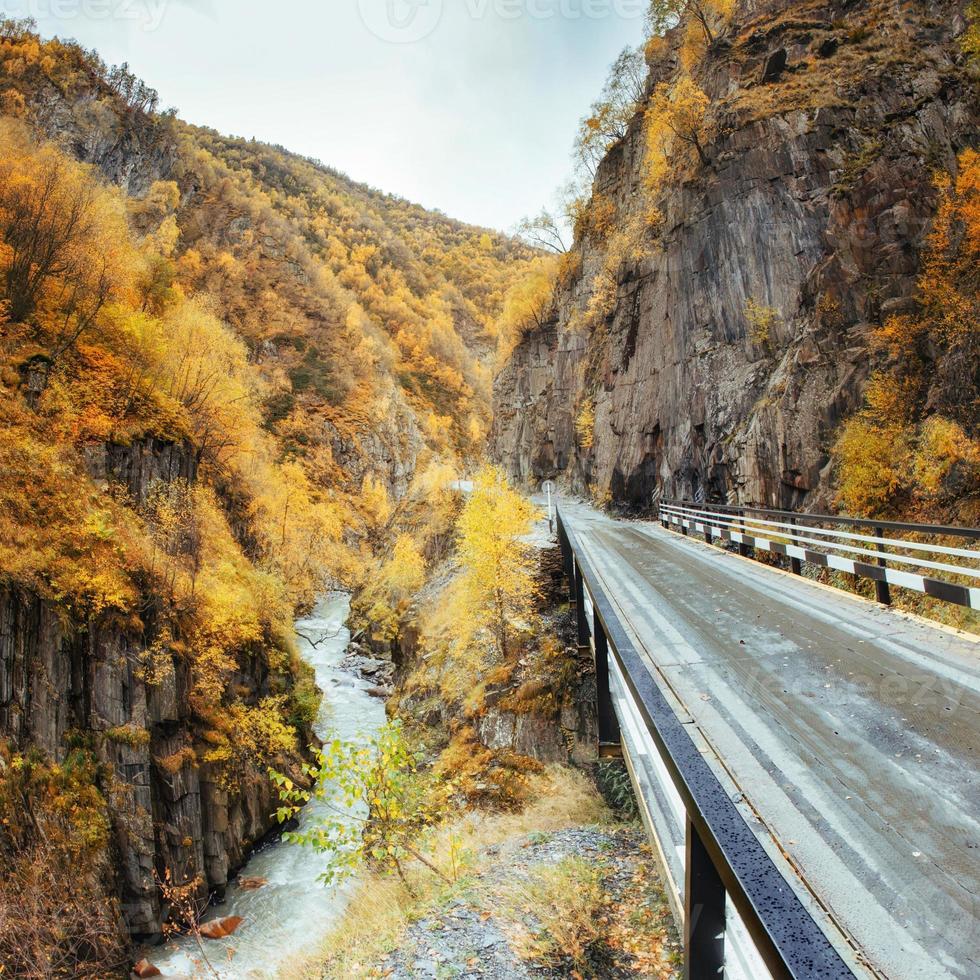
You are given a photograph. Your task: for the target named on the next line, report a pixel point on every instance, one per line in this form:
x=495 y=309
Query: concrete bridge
x=806 y=760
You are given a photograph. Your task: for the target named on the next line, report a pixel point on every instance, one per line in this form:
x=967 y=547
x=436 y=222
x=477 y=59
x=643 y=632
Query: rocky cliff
x=811 y=203
x=127 y=697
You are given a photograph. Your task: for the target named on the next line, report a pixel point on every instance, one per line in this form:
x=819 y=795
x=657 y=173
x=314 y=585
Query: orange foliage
x=914 y=449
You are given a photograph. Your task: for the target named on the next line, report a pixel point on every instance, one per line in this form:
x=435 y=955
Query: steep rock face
x=813 y=204
x=140 y=464
x=167 y=809
x=132 y=149
x=387 y=447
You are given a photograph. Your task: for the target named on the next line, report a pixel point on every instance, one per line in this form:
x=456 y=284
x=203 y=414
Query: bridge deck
x=851 y=731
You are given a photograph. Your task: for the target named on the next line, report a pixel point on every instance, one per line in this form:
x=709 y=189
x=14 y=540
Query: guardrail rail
x=723 y=862
x=941 y=570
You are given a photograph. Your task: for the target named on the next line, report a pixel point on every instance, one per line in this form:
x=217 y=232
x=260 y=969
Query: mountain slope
x=222 y=369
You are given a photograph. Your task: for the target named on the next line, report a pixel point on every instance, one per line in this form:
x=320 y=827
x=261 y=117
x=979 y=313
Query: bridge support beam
x=795 y=565
x=581 y=620
x=609 y=737
x=567 y=558
x=704 y=913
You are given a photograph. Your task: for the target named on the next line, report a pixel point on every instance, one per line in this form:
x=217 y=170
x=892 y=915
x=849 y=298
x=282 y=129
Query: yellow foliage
x=496 y=780
x=912 y=450
x=971 y=37
x=65 y=250
x=585 y=424
x=624 y=245
x=529 y=302
x=677 y=118
x=947 y=461
x=374 y=502
x=761 y=320
x=597 y=219
x=874 y=451
x=499 y=565
x=249 y=738
x=57 y=536
x=708 y=18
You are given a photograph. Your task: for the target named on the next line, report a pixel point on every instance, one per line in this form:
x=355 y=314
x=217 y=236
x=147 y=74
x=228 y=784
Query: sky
x=469 y=106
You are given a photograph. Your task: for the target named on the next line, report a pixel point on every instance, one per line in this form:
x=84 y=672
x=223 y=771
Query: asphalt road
x=851 y=730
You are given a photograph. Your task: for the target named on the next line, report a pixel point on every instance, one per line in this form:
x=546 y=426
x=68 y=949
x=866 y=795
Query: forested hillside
x=222 y=369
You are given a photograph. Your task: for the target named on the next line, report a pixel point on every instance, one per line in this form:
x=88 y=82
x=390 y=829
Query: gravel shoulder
x=485 y=931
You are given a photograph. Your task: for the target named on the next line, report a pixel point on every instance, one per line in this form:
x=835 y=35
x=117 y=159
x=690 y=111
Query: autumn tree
x=543 y=231
x=709 y=15
x=913 y=449
x=678 y=116
x=378 y=803
x=206 y=370
x=611 y=113
x=62 y=239
x=529 y=301
x=499 y=564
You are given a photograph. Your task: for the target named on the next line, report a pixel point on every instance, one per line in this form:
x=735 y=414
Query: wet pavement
x=851 y=732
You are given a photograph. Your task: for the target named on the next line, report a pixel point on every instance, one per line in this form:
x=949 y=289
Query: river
x=294 y=911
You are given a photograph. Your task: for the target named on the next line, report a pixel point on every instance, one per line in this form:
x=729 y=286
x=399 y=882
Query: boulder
x=219 y=928
x=252 y=883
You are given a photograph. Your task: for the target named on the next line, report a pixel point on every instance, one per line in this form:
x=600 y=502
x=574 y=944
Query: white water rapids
x=293 y=912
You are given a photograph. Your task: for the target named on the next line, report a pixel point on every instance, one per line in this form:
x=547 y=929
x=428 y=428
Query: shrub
x=57 y=916
x=131 y=735
x=760 y=320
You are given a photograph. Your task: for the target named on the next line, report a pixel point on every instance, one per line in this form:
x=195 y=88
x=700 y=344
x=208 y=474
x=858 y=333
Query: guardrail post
x=704 y=913
x=882 y=592
x=608 y=722
x=795 y=565
x=743 y=549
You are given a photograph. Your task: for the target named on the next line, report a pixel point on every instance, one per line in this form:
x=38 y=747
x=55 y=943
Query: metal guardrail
x=724 y=860
x=911 y=564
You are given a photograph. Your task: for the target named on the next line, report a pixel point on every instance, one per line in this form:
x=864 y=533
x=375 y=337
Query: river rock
x=220 y=928
x=252 y=883
x=145 y=969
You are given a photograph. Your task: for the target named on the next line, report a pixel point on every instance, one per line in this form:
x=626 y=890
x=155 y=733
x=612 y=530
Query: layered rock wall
x=99 y=682
x=831 y=120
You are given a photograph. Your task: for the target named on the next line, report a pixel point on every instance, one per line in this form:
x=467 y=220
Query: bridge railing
x=724 y=862
x=934 y=559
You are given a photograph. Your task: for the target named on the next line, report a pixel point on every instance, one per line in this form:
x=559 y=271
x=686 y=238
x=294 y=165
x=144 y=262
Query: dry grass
x=382 y=908
x=567 y=900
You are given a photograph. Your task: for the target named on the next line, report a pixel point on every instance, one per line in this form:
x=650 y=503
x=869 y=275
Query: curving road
x=851 y=732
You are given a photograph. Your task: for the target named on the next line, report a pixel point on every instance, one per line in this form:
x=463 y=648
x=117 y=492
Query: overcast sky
x=469 y=106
